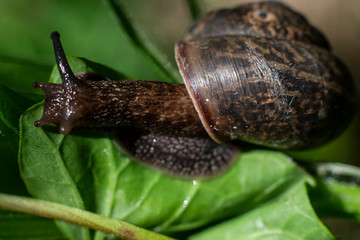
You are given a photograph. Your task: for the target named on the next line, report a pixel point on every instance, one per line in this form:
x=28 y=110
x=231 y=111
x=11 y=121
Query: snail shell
x=258 y=73
x=267 y=77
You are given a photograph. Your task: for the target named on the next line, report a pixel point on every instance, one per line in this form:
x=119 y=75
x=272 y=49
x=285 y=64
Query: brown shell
x=264 y=19
x=275 y=92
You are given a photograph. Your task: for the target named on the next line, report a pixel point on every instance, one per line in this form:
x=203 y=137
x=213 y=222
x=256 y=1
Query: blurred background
x=89 y=29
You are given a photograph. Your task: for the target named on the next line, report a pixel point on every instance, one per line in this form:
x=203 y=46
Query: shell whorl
x=264 y=19
x=279 y=92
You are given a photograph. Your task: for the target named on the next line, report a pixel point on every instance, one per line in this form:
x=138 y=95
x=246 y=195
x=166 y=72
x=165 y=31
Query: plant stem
x=194 y=8
x=337 y=189
x=152 y=55
x=76 y=216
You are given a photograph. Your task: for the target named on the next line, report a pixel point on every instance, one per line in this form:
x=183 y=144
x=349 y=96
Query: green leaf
x=10 y=180
x=22 y=226
x=288 y=216
x=18 y=74
x=46 y=176
x=154 y=56
x=16 y=95
x=12 y=105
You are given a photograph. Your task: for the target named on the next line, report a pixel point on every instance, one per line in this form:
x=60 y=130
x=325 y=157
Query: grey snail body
x=258 y=73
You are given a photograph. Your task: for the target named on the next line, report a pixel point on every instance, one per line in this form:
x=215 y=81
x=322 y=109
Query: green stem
x=152 y=55
x=335 y=199
x=337 y=189
x=76 y=216
x=194 y=8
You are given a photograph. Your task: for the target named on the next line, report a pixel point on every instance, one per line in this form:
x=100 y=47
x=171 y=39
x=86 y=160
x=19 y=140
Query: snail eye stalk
x=65 y=71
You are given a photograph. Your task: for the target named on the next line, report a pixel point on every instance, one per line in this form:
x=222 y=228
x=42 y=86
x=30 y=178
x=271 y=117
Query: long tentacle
x=65 y=71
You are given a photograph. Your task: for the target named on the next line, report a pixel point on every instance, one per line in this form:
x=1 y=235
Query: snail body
x=268 y=77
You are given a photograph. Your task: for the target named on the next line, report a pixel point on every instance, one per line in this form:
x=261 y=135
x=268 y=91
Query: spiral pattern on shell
x=261 y=73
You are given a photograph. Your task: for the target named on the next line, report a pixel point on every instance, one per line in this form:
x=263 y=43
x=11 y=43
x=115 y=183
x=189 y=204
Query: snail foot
x=182 y=156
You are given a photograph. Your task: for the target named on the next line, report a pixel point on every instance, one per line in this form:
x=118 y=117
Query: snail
x=258 y=73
